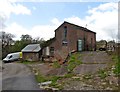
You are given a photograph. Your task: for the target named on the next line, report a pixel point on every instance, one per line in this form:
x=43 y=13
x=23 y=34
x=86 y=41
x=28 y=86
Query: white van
x=12 y=57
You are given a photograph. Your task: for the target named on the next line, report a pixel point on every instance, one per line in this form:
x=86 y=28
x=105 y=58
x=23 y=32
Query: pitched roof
x=32 y=48
x=83 y=28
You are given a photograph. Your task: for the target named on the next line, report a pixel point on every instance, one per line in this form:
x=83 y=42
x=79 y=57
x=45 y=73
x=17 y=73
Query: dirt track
x=17 y=76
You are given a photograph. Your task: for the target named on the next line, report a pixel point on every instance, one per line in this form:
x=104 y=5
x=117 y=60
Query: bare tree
x=7 y=39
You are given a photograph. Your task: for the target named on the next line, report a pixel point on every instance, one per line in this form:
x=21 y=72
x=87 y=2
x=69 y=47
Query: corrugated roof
x=32 y=48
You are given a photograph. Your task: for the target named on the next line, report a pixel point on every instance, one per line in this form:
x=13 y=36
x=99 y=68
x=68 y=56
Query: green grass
x=68 y=75
x=56 y=64
x=40 y=78
x=117 y=65
x=102 y=74
x=30 y=62
x=73 y=62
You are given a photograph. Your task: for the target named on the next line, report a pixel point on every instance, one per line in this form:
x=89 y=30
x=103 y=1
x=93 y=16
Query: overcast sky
x=40 y=19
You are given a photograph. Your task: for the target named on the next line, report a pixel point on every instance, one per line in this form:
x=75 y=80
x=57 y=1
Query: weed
x=41 y=78
x=87 y=76
x=102 y=74
x=30 y=62
x=56 y=64
x=54 y=83
x=55 y=78
x=73 y=62
x=71 y=66
x=117 y=65
x=68 y=75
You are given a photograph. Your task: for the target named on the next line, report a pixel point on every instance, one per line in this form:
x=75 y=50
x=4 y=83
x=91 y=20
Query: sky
x=40 y=19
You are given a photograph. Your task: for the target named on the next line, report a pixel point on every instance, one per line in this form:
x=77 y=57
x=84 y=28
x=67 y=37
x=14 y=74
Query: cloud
x=55 y=21
x=42 y=31
x=7 y=8
x=102 y=19
x=105 y=7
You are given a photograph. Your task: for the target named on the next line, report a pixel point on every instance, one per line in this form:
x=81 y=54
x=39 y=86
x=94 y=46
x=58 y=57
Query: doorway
x=80 y=45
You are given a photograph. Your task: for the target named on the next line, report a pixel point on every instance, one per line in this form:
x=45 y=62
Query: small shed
x=32 y=52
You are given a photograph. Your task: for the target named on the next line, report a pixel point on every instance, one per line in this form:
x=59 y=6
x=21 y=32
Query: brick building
x=70 y=37
x=31 y=52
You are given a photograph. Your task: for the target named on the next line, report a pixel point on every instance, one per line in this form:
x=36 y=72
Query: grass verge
x=117 y=65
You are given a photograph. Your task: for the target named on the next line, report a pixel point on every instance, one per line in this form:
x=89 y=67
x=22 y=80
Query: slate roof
x=32 y=48
x=80 y=27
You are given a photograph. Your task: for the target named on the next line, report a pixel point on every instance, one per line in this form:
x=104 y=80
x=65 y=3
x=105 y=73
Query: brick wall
x=73 y=34
x=30 y=56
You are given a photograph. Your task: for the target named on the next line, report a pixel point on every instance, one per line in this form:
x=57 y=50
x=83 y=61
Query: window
x=65 y=32
x=10 y=57
x=64 y=42
x=51 y=50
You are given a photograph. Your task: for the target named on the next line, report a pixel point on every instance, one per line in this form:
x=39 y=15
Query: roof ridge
x=84 y=28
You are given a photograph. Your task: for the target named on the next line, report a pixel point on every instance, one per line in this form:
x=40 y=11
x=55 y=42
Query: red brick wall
x=73 y=34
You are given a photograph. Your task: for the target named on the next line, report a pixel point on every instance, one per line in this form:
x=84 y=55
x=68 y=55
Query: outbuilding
x=31 y=52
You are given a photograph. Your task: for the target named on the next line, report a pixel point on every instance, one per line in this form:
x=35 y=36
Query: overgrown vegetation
x=87 y=76
x=73 y=62
x=102 y=73
x=56 y=64
x=68 y=75
x=116 y=58
x=40 y=78
x=30 y=62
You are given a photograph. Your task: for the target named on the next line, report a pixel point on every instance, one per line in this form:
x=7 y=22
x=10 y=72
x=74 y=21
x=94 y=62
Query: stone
x=104 y=83
x=55 y=89
x=46 y=83
x=75 y=77
x=108 y=88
